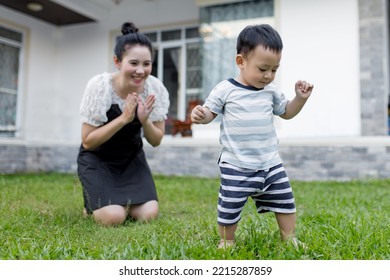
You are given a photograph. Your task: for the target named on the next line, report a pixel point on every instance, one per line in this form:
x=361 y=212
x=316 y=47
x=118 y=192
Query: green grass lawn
x=41 y=218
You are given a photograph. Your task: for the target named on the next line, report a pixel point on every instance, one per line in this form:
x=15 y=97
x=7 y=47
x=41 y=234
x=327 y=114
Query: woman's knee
x=145 y=212
x=111 y=215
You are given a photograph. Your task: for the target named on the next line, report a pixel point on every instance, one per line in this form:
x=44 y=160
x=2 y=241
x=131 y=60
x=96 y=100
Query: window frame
x=16 y=130
x=159 y=44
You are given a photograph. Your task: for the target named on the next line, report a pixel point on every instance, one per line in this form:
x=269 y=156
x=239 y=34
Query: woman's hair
x=254 y=35
x=130 y=37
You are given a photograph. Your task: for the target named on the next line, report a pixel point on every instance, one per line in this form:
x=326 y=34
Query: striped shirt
x=247 y=134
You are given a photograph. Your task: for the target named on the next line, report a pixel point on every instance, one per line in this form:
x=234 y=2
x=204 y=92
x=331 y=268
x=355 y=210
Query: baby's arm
x=202 y=115
x=303 y=91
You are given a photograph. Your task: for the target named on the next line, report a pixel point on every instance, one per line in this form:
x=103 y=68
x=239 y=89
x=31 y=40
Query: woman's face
x=136 y=65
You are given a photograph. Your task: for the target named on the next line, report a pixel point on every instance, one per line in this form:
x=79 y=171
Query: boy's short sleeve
x=161 y=105
x=96 y=100
x=216 y=100
x=280 y=103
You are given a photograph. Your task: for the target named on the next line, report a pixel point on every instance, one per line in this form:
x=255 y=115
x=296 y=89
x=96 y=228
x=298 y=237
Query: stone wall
x=358 y=158
x=16 y=158
x=337 y=162
x=374 y=66
x=12 y=158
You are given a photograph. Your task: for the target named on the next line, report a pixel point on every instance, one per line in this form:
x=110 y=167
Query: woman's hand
x=128 y=113
x=153 y=131
x=145 y=108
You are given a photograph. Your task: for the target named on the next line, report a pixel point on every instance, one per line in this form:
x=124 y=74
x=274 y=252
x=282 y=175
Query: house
x=49 y=50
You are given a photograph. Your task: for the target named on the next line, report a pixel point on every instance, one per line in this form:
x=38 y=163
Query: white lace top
x=100 y=94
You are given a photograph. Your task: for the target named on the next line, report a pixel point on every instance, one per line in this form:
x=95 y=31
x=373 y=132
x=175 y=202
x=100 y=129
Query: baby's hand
x=197 y=114
x=303 y=89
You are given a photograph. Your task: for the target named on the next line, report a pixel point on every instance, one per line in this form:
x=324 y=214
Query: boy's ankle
x=226 y=243
x=296 y=243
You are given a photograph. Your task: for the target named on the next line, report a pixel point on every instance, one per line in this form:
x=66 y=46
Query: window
x=220 y=26
x=11 y=43
x=177 y=63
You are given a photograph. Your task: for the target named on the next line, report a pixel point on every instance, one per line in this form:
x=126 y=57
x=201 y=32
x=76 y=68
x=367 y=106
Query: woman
x=117 y=109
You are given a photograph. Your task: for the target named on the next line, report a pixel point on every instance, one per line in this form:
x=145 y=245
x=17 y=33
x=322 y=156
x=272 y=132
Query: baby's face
x=259 y=67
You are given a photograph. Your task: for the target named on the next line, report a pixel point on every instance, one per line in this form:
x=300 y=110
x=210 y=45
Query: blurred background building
x=49 y=50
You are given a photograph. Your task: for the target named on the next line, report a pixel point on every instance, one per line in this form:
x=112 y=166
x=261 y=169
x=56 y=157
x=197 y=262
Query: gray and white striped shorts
x=269 y=189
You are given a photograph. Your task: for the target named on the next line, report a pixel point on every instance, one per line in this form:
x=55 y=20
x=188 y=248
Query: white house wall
x=84 y=53
x=153 y=13
x=321 y=44
x=39 y=90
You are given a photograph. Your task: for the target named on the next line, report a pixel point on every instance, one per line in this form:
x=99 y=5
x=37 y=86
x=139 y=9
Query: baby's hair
x=254 y=35
x=130 y=37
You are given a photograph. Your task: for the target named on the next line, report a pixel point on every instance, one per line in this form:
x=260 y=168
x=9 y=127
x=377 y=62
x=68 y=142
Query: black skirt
x=116 y=173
